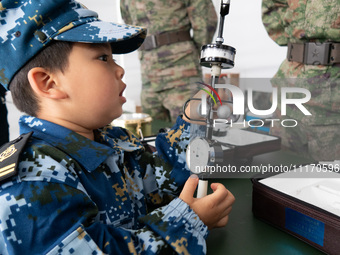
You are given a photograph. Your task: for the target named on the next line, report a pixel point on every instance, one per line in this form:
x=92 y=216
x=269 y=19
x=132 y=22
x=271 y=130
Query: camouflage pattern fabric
x=300 y=21
x=317 y=143
x=174 y=65
x=77 y=196
x=157 y=104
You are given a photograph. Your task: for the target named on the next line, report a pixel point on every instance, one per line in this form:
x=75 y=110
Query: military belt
x=166 y=38
x=314 y=53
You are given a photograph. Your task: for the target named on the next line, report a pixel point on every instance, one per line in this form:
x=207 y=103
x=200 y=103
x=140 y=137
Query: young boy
x=81 y=186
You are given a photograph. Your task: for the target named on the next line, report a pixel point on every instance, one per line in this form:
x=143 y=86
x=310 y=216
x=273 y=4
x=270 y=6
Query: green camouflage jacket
x=300 y=21
x=169 y=65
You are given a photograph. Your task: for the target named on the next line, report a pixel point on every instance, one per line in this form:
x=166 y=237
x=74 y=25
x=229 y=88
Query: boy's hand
x=213 y=209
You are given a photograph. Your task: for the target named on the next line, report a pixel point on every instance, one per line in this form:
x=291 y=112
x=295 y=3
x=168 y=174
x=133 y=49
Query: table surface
x=246 y=234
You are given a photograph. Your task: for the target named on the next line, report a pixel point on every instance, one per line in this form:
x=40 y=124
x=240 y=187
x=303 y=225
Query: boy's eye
x=104 y=58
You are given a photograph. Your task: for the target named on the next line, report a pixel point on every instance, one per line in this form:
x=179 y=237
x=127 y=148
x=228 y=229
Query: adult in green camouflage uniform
x=305 y=21
x=168 y=70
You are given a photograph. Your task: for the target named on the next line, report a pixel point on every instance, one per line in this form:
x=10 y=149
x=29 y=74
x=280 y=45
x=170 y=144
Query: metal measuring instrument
x=204 y=151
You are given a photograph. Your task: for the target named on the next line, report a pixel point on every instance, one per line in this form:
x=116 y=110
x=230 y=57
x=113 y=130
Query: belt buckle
x=150 y=42
x=317 y=53
x=153 y=41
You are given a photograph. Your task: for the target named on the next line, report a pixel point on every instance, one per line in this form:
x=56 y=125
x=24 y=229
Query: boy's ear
x=44 y=84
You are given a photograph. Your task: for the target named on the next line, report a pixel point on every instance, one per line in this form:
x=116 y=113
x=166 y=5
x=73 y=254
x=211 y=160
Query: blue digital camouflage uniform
x=72 y=195
x=299 y=21
x=77 y=196
x=169 y=70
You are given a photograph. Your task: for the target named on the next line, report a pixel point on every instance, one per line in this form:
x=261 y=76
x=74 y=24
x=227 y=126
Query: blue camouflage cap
x=26 y=26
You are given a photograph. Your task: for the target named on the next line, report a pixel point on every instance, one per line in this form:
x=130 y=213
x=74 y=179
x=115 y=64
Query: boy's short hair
x=28 y=26
x=53 y=58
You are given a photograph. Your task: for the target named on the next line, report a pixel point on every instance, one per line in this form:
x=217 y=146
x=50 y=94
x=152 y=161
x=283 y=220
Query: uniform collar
x=90 y=154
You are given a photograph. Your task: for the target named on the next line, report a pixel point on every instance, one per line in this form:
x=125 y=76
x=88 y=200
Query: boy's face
x=93 y=83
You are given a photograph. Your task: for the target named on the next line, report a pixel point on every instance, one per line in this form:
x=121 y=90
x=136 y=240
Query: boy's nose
x=120 y=72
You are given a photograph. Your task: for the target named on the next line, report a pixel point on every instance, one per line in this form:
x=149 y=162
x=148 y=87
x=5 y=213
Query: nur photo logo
x=240 y=101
